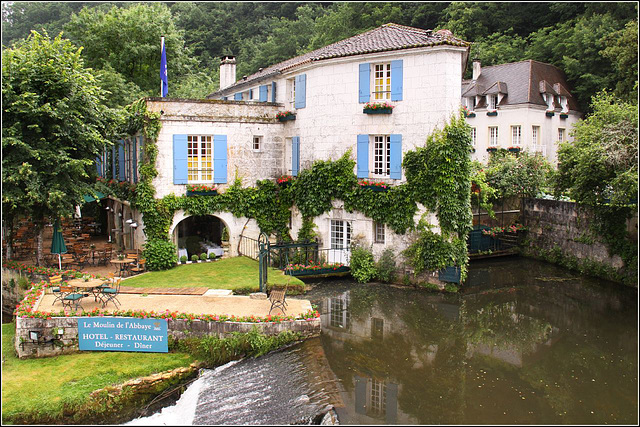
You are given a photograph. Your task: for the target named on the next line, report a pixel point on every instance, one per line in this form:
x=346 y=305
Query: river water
x=524 y=342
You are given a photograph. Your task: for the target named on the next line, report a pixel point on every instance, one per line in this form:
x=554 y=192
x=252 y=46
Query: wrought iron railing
x=249 y=247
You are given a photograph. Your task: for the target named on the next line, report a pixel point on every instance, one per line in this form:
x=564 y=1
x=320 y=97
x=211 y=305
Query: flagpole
x=161 y=49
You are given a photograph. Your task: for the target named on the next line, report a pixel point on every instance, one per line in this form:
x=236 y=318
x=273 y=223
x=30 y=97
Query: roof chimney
x=227 y=71
x=477 y=69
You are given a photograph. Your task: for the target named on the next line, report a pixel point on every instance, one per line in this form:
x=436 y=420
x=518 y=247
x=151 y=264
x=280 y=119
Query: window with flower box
x=381 y=81
x=516 y=135
x=493 y=136
x=381 y=155
x=291 y=90
x=535 y=135
x=199 y=158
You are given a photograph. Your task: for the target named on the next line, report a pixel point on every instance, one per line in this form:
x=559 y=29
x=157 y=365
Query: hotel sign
x=122 y=334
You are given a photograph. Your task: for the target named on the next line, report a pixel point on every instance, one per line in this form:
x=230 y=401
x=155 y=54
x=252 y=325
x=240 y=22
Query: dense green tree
x=600 y=165
x=128 y=41
x=523 y=175
x=54 y=126
x=622 y=51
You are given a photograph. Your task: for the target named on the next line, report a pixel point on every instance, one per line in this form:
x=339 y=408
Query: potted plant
x=377 y=108
x=285 y=180
x=225 y=237
x=492 y=149
x=183 y=259
x=468 y=113
x=373 y=185
x=194 y=258
x=514 y=149
x=201 y=190
x=285 y=116
x=212 y=256
x=120 y=257
x=492 y=113
x=203 y=256
x=564 y=115
x=549 y=113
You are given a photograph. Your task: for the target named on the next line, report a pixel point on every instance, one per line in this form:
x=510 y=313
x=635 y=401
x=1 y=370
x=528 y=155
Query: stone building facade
x=417 y=71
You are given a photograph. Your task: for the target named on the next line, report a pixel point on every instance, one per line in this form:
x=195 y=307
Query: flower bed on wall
x=373 y=185
x=285 y=116
x=42 y=271
x=377 y=108
x=201 y=190
x=309 y=269
x=25 y=310
x=495 y=231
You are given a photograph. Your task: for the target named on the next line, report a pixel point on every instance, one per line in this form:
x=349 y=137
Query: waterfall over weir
x=274 y=389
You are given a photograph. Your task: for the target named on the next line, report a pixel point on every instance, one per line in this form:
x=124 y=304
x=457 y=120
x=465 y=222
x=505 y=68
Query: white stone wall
x=328 y=126
x=239 y=121
x=526 y=116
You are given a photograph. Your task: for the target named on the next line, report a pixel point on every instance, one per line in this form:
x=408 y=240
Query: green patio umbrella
x=57 y=243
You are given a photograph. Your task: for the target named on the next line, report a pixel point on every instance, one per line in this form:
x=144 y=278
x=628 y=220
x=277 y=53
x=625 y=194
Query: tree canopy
x=595 y=44
x=54 y=126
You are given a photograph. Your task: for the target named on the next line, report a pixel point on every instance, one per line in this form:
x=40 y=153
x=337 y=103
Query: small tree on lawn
x=53 y=127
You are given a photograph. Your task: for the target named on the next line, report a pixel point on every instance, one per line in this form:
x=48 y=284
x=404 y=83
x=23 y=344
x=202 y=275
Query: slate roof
x=384 y=38
x=522 y=81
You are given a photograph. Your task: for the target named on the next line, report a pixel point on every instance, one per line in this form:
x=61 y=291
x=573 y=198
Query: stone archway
x=198 y=233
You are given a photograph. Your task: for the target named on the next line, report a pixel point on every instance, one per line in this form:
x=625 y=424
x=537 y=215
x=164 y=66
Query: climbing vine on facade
x=438 y=177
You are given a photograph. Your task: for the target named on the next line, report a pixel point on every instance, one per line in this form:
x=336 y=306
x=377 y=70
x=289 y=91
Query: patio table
x=91 y=285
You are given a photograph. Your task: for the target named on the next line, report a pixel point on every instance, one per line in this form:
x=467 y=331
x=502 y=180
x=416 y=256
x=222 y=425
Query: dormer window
x=550 y=105
x=564 y=103
x=493 y=102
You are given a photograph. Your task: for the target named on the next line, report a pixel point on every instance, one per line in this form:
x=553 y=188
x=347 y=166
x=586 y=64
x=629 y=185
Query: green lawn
x=229 y=273
x=45 y=385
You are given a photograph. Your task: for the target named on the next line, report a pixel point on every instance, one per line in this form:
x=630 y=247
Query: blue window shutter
x=237 y=97
x=113 y=161
x=134 y=150
x=98 y=166
x=220 y=159
x=396 y=156
x=180 y=155
x=396 y=80
x=363 y=156
x=263 y=93
x=121 y=164
x=295 y=155
x=301 y=91
x=273 y=91
x=364 y=91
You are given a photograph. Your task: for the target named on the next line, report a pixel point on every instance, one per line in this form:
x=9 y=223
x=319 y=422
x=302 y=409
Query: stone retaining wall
x=565 y=225
x=53 y=345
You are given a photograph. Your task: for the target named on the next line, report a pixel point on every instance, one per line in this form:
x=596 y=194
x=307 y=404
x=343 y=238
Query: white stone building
x=522 y=105
x=235 y=131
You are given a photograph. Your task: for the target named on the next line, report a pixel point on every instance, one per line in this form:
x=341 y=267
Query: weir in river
x=524 y=342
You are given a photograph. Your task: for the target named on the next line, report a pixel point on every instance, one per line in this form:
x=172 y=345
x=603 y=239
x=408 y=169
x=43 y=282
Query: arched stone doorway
x=199 y=234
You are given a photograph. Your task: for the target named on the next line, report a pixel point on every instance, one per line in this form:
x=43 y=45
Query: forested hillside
x=594 y=43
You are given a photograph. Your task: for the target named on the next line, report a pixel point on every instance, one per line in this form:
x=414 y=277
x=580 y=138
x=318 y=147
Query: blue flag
x=163 y=72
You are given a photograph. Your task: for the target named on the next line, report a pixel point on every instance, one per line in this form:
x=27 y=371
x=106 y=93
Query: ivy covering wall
x=438 y=177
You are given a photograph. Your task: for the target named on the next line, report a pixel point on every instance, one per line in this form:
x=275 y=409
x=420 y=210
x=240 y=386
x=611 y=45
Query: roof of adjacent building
x=523 y=83
x=387 y=37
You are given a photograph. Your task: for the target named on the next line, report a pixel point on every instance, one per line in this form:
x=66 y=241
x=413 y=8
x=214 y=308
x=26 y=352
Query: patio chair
x=139 y=267
x=81 y=259
x=128 y=268
x=108 y=294
x=56 y=280
x=278 y=297
x=70 y=297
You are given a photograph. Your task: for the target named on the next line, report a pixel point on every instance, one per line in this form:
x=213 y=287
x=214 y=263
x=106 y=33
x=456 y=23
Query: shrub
x=194 y=258
x=183 y=258
x=23 y=283
x=160 y=254
x=363 y=267
x=203 y=256
x=430 y=287
x=212 y=255
x=450 y=288
x=386 y=266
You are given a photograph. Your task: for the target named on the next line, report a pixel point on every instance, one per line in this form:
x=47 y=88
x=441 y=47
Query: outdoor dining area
x=71 y=293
